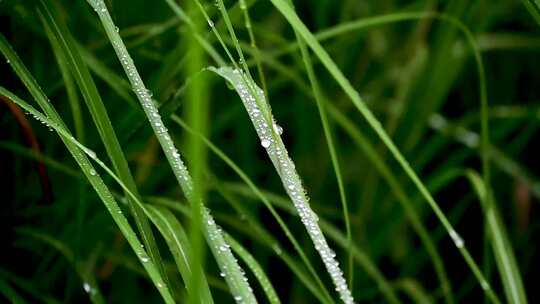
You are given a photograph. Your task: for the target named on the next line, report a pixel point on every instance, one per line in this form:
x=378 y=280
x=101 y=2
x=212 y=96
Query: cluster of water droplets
x=98 y=6
x=231 y=272
x=269 y=134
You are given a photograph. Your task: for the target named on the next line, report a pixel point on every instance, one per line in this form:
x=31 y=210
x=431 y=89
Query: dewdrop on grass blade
x=456 y=238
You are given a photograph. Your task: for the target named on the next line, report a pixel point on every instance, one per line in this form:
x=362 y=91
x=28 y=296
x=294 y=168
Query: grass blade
x=233 y=274
x=85 y=165
x=252 y=185
x=271 y=141
x=533 y=6
x=66 y=48
x=504 y=255
x=179 y=245
x=332 y=68
x=257 y=270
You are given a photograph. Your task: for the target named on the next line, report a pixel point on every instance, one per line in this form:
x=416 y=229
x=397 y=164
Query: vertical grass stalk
x=233 y=274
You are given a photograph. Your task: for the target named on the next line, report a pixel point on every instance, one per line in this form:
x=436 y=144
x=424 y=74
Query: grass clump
x=383 y=106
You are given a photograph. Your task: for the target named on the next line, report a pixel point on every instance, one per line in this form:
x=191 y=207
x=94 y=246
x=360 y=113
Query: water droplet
x=90 y=153
x=117 y=29
x=278 y=129
x=222 y=274
x=93 y=172
x=458 y=241
x=238 y=298
x=265 y=143
x=145 y=259
x=210 y=23
x=87 y=287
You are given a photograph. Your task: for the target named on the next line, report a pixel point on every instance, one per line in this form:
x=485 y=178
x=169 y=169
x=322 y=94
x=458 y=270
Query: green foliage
x=373 y=108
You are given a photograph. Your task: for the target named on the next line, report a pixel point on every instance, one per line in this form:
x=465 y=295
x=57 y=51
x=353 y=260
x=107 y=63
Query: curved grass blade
x=271 y=141
x=504 y=255
x=359 y=256
x=90 y=285
x=228 y=265
x=321 y=106
x=533 y=6
x=332 y=68
x=83 y=162
x=10 y=293
x=67 y=50
x=267 y=204
x=257 y=270
x=95 y=180
x=171 y=229
x=178 y=243
x=263 y=237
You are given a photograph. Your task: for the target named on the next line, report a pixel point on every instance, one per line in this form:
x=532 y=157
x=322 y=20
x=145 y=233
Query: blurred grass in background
x=418 y=76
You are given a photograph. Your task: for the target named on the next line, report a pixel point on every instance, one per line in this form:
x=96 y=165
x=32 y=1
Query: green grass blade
x=233 y=273
x=10 y=293
x=71 y=91
x=263 y=237
x=60 y=36
x=90 y=285
x=502 y=249
x=271 y=141
x=359 y=255
x=533 y=6
x=321 y=106
x=75 y=149
x=255 y=268
x=253 y=43
x=197 y=112
x=336 y=73
x=178 y=242
x=267 y=204
x=118 y=84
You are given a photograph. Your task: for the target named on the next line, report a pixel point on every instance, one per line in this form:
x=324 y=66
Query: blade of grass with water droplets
x=80 y=157
x=233 y=274
x=170 y=229
x=336 y=73
x=66 y=48
x=321 y=106
x=250 y=183
x=271 y=141
x=262 y=236
x=359 y=256
x=257 y=270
